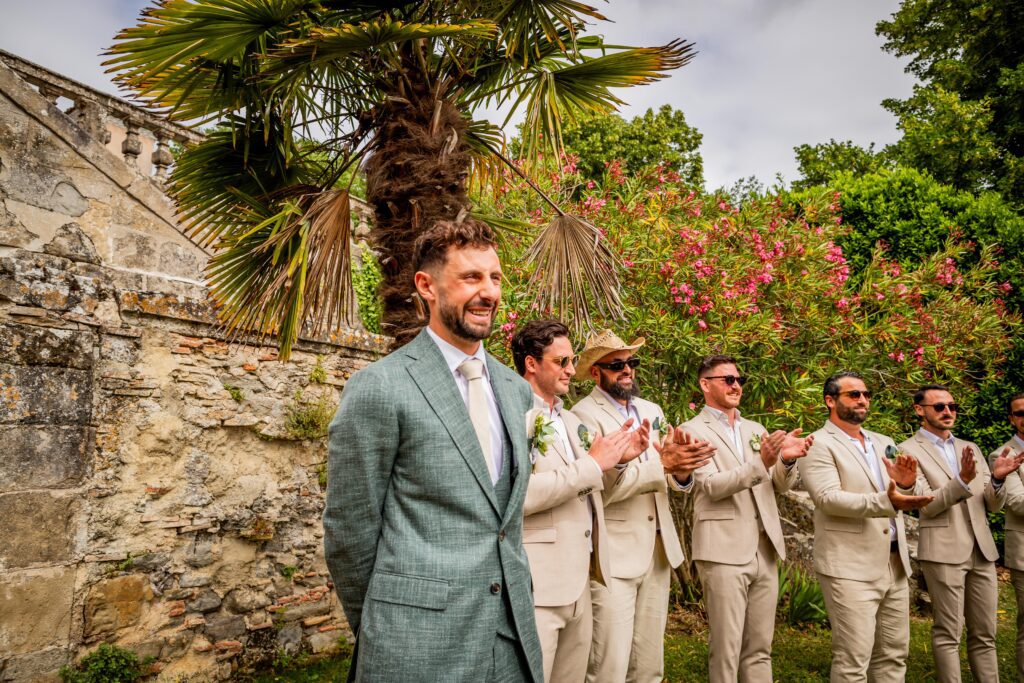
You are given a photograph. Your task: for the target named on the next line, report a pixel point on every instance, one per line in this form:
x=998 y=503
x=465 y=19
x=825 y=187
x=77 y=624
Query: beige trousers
x=629 y=625
x=962 y=593
x=565 y=634
x=870 y=626
x=1017 y=578
x=741 y=601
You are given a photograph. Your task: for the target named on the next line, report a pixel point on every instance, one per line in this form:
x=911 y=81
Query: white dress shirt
x=867 y=451
x=453 y=357
x=1020 y=441
x=947 y=449
x=733 y=430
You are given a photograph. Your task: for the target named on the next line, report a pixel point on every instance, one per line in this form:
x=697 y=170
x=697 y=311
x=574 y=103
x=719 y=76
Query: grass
x=801 y=655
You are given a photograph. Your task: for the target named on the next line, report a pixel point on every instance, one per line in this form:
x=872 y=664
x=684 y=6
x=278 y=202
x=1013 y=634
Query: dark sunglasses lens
x=633 y=363
x=941 y=407
x=856 y=394
x=733 y=379
x=1018 y=413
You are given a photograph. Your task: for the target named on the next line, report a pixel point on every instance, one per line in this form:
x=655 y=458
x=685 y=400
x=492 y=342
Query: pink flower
x=702 y=325
x=693 y=406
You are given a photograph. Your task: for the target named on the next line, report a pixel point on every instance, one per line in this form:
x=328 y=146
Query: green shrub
x=106 y=664
x=800 y=597
x=318 y=375
x=235 y=393
x=309 y=418
x=366 y=277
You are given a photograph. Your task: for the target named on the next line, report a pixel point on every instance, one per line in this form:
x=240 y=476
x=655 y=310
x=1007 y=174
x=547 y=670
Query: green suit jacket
x=414 y=538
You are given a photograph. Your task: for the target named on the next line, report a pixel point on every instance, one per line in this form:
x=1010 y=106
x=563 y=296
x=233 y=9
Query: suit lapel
x=600 y=400
x=933 y=452
x=845 y=442
x=712 y=422
x=441 y=394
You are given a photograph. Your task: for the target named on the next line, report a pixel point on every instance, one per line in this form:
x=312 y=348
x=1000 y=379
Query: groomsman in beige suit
x=860 y=546
x=956 y=551
x=631 y=607
x=737 y=537
x=564 y=528
x=1014 y=525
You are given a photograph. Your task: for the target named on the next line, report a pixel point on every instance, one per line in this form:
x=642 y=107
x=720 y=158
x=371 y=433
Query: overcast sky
x=770 y=74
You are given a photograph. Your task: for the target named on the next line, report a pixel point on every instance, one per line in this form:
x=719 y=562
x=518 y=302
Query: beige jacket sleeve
x=821 y=479
x=1012 y=488
x=551 y=488
x=718 y=485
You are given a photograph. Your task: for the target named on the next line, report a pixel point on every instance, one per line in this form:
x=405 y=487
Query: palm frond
x=524 y=21
x=328 y=43
x=574 y=272
x=560 y=89
x=182 y=52
x=291 y=270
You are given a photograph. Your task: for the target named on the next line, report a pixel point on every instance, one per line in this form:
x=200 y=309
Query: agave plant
x=305 y=92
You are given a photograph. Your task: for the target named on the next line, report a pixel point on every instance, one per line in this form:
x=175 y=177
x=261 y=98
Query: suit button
x=587 y=533
x=501 y=535
x=495 y=587
x=885 y=532
x=650 y=518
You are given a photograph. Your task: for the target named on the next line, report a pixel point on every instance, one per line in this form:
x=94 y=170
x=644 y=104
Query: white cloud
x=770 y=74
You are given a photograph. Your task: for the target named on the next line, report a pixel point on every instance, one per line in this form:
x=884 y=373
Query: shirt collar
x=549 y=410
x=453 y=357
x=863 y=434
x=935 y=438
x=1019 y=440
x=722 y=417
x=621 y=408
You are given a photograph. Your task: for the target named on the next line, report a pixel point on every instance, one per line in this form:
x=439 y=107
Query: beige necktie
x=476 y=400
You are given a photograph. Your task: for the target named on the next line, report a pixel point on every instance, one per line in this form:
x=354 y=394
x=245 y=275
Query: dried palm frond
x=574 y=270
x=294 y=269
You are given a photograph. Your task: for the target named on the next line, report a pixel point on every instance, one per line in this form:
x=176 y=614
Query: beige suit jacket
x=564 y=512
x=1014 y=525
x=734 y=495
x=956 y=519
x=636 y=496
x=851 y=512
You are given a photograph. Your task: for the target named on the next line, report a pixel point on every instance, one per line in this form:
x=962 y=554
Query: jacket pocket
x=853 y=526
x=548 y=535
x=539 y=520
x=415 y=591
x=721 y=513
x=941 y=520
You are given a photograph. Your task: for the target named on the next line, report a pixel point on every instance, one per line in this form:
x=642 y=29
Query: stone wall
x=157 y=488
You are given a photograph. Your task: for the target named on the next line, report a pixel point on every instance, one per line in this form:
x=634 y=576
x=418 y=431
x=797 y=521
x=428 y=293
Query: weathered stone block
x=36 y=608
x=38 y=456
x=289 y=638
x=225 y=627
x=114 y=604
x=36 y=667
x=205 y=601
x=243 y=599
x=71 y=243
x=34 y=394
x=323 y=642
x=309 y=609
x=38 y=527
x=30 y=345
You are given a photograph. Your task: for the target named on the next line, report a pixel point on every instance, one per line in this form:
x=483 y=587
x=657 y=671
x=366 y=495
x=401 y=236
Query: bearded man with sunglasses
x=956 y=550
x=860 y=545
x=1014 y=525
x=631 y=607
x=737 y=536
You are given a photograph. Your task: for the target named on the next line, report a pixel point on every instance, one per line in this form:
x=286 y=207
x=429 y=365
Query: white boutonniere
x=540 y=430
x=661 y=427
x=755 y=443
x=584 y=435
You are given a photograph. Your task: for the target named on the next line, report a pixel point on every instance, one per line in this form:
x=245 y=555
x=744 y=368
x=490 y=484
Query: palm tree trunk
x=415 y=177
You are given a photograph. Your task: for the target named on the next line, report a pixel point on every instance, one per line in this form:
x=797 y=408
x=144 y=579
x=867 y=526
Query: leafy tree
x=973 y=49
x=949 y=137
x=819 y=163
x=654 y=138
x=305 y=90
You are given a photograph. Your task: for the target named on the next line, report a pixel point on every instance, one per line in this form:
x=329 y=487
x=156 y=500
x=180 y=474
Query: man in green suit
x=428 y=467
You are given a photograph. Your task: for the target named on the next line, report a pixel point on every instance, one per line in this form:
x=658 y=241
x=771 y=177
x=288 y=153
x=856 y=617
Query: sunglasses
x=563 y=361
x=620 y=365
x=1018 y=413
x=729 y=379
x=856 y=394
x=941 y=407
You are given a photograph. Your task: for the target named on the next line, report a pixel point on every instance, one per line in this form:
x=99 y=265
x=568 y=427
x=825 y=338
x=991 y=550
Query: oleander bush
x=769 y=283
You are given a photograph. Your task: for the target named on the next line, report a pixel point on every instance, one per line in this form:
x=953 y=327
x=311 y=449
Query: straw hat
x=600 y=345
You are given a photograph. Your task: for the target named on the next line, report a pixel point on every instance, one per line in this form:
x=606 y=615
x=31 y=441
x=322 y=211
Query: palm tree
x=306 y=92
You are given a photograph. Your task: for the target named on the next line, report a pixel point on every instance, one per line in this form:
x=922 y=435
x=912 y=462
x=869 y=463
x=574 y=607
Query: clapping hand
x=1006 y=463
x=968 y=467
x=786 y=445
x=902 y=469
x=682 y=454
x=903 y=502
x=639 y=439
